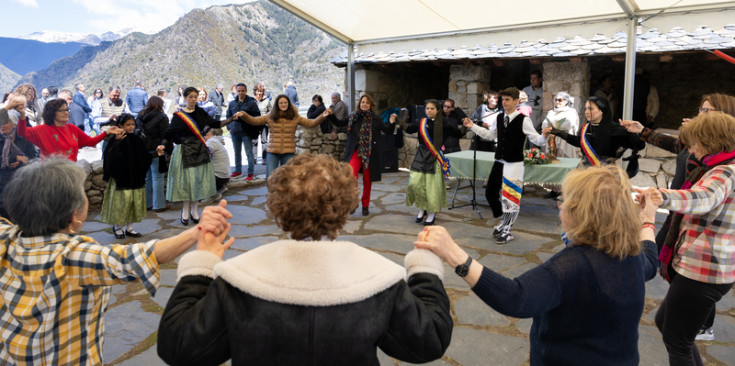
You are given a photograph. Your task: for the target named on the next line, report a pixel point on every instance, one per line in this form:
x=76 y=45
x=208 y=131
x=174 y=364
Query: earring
x=74 y=231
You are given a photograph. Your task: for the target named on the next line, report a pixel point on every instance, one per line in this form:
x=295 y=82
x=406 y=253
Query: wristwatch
x=462 y=269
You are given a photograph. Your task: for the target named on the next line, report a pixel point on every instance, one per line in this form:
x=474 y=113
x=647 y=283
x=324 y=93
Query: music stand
x=473 y=202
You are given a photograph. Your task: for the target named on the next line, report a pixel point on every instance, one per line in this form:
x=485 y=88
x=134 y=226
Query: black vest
x=511 y=139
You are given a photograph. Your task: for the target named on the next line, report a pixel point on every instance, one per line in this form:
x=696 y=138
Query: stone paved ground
x=481 y=335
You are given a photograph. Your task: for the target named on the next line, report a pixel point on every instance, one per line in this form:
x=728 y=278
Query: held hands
x=159 y=149
x=438 y=240
x=327 y=112
x=684 y=121
x=467 y=122
x=19 y=159
x=546 y=131
x=213 y=228
x=393 y=118
x=648 y=200
x=16 y=102
x=113 y=130
x=632 y=126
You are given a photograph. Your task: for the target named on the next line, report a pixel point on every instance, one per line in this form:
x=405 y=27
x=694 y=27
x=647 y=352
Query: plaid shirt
x=706 y=244
x=55 y=290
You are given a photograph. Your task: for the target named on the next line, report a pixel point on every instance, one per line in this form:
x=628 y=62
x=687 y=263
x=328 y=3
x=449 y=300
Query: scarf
x=668 y=250
x=9 y=148
x=431 y=145
x=364 y=136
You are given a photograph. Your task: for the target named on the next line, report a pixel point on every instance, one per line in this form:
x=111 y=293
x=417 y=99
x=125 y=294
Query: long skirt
x=189 y=184
x=426 y=190
x=121 y=206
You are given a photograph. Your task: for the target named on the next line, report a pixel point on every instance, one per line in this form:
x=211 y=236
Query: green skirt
x=121 y=206
x=426 y=190
x=189 y=184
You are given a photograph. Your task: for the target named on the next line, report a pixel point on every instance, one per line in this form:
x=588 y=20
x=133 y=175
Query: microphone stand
x=473 y=202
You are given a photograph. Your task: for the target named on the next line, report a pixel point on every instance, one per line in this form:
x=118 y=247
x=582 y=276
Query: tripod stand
x=473 y=202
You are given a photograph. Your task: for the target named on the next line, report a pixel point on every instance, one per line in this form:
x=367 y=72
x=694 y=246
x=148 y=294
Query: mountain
x=8 y=79
x=64 y=37
x=24 y=55
x=222 y=44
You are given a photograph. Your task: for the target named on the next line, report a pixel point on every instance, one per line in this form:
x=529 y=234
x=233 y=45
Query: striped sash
x=424 y=133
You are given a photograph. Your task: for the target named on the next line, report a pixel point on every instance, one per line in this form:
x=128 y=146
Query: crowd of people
x=358 y=300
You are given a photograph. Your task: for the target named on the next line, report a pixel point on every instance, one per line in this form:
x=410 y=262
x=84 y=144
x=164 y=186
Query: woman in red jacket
x=55 y=136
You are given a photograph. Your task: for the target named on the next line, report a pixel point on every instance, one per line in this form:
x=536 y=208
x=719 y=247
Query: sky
x=22 y=17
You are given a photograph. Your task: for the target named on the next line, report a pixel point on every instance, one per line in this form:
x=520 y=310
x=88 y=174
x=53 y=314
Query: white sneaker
x=706 y=335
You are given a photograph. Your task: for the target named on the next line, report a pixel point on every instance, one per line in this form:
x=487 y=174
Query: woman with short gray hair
x=56 y=284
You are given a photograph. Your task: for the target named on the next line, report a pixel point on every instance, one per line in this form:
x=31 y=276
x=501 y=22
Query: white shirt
x=528 y=130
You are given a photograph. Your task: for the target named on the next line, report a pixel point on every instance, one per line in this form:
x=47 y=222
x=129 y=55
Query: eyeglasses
x=559 y=100
x=447 y=106
x=62 y=110
x=559 y=202
x=707 y=110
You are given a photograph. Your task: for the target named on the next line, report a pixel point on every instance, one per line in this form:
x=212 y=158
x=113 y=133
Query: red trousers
x=356 y=163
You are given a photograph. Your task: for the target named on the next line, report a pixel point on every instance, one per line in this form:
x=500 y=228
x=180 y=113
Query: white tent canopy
x=395 y=25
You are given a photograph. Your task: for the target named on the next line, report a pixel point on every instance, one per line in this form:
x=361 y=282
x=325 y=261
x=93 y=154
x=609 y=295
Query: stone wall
x=311 y=139
x=466 y=85
x=571 y=77
x=94 y=186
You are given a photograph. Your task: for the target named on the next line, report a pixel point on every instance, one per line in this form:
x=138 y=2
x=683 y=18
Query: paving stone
x=126 y=326
x=148 y=357
x=236 y=198
x=724 y=354
x=245 y=215
x=393 y=198
x=92 y=226
x=163 y=294
x=517 y=271
x=147 y=226
x=478 y=347
x=724 y=329
x=657 y=288
x=408 y=210
x=350 y=227
x=383 y=242
x=544 y=256
x=257 y=201
x=523 y=243
x=242 y=231
x=168 y=277
x=651 y=349
x=524 y=325
x=471 y=310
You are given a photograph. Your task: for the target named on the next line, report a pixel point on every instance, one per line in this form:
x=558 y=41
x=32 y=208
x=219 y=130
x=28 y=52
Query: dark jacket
x=353 y=137
x=315 y=111
x=239 y=127
x=451 y=143
x=154 y=125
x=424 y=161
x=254 y=313
x=126 y=161
x=586 y=306
x=29 y=150
x=77 y=117
x=181 y=134
x=609 y=140
x=511 y=138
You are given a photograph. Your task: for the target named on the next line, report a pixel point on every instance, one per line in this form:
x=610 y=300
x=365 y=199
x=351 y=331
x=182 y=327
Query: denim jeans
x=154 y=184
x=237 y=142
x=275 y=160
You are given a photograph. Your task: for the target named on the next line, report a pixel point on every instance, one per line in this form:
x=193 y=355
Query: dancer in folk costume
x=426 y=187
x=511 y=128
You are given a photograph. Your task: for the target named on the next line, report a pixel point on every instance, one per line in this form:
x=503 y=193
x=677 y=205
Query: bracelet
x=649 y=225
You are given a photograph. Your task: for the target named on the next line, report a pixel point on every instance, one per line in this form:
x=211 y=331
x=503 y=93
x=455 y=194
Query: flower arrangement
x=534 y=156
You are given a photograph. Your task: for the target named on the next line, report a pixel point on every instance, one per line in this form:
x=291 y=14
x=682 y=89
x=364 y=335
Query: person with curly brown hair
x=311 y=299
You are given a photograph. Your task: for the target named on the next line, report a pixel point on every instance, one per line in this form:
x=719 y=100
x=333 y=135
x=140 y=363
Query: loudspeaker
x=388 y=152
x=416 y=112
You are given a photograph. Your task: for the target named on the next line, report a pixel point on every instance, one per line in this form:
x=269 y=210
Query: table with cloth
x=545 y=175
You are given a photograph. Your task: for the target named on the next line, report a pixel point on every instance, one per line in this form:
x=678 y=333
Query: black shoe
x=133 y=233
x=365 y=211
x=421 y=218
x=429 y=223
x=504 y=238
x=119 y=233
x=496 y=233
x=184 y=221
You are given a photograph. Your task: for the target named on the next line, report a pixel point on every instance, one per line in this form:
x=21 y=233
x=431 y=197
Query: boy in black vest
x=511 y=129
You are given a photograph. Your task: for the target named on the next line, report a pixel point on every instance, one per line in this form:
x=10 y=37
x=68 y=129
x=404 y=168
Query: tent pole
x=350 y=76
x=630 y=55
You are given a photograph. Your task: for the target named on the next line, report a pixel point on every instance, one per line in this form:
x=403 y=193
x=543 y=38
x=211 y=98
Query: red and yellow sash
x=589 y=152
x=424 y=133
x=193 y=127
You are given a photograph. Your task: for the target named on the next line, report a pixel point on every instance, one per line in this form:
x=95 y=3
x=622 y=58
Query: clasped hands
x=213 y=228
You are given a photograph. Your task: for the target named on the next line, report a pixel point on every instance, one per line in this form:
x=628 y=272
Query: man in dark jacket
x=454 y=117
x=242 y=132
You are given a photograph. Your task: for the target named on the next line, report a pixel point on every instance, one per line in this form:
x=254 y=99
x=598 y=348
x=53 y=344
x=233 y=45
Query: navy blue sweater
x=585 y=305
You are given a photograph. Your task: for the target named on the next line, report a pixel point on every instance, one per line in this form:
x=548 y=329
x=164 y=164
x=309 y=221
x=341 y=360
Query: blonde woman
x=586 y=301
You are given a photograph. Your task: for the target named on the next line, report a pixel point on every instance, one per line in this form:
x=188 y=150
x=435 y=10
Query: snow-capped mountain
x=64 y=37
